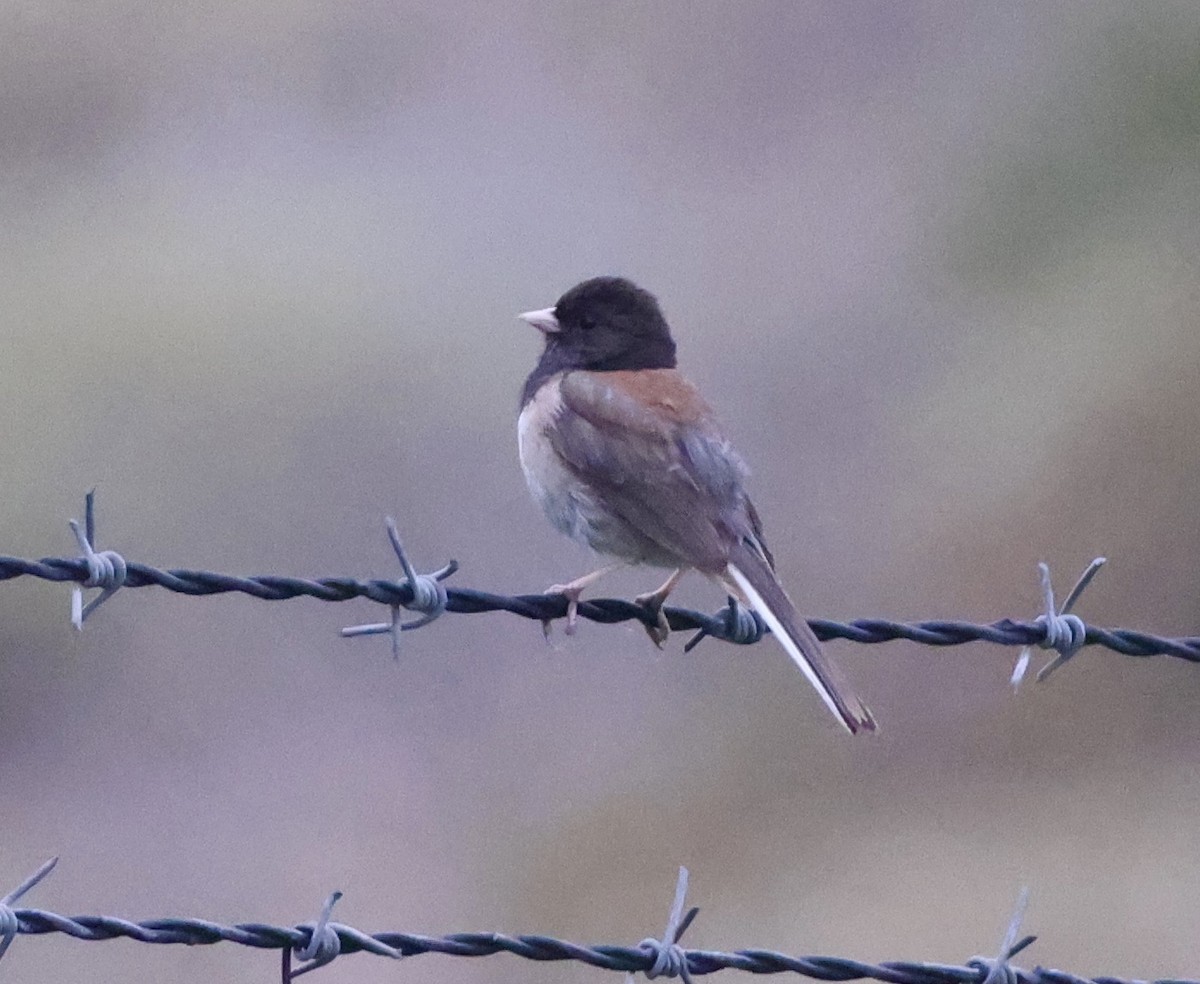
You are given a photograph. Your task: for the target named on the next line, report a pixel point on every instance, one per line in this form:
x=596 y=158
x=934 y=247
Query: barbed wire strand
x=425 y=593
x=643 y=958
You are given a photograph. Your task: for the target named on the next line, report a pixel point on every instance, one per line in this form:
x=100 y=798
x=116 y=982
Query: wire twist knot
x=993 y=971
x=669 y=960
x=733 y=623
x=1064 y=633
x=742 y=626
x=429 y=595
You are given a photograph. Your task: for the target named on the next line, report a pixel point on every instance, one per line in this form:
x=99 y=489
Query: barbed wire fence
x=318 y=943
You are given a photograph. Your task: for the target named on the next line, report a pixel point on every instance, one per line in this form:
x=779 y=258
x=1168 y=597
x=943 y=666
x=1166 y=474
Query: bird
x=624 y=455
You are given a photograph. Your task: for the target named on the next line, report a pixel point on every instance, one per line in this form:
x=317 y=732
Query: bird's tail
x=749 y=576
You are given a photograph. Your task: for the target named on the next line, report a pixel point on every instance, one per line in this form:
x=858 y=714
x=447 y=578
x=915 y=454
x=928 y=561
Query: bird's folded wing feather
x=649 y=444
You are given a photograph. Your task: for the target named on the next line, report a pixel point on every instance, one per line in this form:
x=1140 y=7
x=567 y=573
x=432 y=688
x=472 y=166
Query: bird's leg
x=573 y=589
x=653 y=602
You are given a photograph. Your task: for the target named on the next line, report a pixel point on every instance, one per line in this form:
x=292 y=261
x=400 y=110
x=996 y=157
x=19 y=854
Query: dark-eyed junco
x=624 y=455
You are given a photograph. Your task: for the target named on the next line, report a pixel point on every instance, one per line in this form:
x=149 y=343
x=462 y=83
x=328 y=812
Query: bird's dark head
x=603 y=324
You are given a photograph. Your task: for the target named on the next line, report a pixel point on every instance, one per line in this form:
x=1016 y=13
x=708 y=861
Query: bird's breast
x=560 y=493
x=573 y=505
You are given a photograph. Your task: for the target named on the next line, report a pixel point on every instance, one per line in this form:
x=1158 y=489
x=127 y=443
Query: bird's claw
x=661 y=630
x=571 y=593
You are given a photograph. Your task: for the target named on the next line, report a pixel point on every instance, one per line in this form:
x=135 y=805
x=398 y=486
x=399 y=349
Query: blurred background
x=936 y=265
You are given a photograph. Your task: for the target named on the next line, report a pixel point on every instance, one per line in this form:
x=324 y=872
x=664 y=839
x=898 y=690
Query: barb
x=106 y=569
x=324 y=944
x=428 y=597
x=728 y=624
x=999 y=971
x=1065 y=633
x=10 y=921
x=1068 y=629
x=668 y=958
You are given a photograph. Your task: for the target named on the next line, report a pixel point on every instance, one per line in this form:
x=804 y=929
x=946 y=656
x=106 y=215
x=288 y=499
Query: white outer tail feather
x=785 y=640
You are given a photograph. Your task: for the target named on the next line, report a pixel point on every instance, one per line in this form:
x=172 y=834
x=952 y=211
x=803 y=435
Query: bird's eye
x=586 y=323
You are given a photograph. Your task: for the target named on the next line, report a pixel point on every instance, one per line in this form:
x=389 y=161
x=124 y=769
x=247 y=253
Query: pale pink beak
x=543 y=320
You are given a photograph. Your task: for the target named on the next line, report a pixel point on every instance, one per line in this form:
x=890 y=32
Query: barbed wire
x=319 y=943
x=1055 y=629
x=322 y=941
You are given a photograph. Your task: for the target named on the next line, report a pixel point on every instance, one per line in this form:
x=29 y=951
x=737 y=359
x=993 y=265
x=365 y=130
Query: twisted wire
x=543 y=948
x=542 y=607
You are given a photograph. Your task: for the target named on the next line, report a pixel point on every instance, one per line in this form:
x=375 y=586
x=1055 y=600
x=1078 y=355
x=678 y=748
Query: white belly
x=552 y=486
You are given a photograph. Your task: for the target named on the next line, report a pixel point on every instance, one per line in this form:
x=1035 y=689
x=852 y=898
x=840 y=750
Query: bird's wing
x=649 y=445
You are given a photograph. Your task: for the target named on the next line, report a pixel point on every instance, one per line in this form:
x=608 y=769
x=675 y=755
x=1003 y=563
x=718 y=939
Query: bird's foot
x=653 y=603
x=572 y=593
